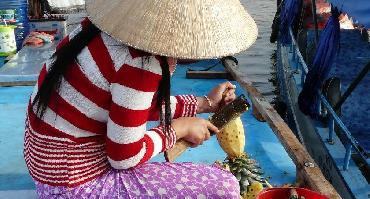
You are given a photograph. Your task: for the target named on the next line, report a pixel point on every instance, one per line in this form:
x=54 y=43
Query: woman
x=86 y=133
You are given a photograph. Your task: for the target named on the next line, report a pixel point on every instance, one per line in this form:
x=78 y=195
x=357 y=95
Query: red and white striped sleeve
x=184 y=106
x=181 y=106
x=129 y=143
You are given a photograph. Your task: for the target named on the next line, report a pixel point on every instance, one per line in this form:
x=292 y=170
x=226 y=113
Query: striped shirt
x=97 y=120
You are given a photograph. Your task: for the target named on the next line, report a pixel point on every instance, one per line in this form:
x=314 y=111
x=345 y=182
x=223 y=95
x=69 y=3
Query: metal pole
x=314 y=15
x=347 y=156
x=331 y=129
x=352 y=87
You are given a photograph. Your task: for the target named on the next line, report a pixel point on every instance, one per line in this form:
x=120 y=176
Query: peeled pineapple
x=232 y=139
x=246 y=170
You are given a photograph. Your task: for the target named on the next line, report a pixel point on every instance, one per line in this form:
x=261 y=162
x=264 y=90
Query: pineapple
x=246 y=170
x=232 y=139
x=253 y=190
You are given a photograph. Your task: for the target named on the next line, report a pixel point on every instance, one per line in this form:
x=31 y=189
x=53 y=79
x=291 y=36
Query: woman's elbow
x=126 y=156
x=129 y=162
x=122 y=165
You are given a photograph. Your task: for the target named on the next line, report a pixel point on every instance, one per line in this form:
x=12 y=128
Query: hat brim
x=186 y=29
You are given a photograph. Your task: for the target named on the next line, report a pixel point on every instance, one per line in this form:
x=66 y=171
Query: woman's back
x=68 y=145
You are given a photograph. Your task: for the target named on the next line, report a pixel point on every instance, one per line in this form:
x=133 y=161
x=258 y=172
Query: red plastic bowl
x=283 y=193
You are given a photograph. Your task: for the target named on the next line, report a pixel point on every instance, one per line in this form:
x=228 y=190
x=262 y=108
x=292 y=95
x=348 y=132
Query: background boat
x=271 y=142
x=337 y=140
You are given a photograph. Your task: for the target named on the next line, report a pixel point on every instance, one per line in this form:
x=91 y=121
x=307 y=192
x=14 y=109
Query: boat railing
x=300 y=64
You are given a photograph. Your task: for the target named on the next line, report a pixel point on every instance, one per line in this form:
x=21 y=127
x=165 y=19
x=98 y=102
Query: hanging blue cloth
x=288 y=13
x=325 y=53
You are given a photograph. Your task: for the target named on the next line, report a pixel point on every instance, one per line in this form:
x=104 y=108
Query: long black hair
x=67 y=54
x=163 y=94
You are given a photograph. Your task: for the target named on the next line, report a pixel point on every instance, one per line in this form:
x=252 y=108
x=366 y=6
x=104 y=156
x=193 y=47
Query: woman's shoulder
x=123 y=54
x=120 y=53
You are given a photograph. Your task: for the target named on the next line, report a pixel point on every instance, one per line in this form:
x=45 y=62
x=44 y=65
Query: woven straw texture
x=187 y=29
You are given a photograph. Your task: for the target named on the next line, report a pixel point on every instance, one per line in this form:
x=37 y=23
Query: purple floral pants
x=152 y=180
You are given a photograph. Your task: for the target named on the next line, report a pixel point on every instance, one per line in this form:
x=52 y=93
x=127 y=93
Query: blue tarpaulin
x=288 y=13
x=326 y=51
x=358 y=9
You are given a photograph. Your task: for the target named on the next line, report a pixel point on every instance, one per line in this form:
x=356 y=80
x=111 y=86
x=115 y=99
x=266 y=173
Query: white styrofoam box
x=66 y=3
x=57 y=26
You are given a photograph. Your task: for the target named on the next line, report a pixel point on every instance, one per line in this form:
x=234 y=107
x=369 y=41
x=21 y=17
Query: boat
x=269 y=140
x=281 y=160
x=337 y=135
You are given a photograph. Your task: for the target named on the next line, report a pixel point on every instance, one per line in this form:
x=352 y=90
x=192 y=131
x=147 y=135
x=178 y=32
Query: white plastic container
x=8 y=45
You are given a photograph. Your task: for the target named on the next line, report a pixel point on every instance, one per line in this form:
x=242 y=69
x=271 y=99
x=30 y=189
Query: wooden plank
x=208 y=75
x=257 y=114
x=180 y=147
x=18 y=83
x=308 y=174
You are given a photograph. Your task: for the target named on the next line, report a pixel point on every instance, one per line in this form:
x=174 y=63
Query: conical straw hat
x=187 y=29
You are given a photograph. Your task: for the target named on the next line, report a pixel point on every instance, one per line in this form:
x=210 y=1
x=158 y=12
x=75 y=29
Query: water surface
x=256 y=61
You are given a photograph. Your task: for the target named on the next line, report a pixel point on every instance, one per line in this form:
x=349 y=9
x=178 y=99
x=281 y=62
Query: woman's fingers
x=229 y=93
x=229 y=89
x=193 y=145
x=212 y=128
x=227 y=85
x=207 y=135
x=230 y=98
x=198 y=140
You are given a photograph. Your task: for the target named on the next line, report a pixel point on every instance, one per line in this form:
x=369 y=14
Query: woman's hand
x=194 y=130
x=220 y=95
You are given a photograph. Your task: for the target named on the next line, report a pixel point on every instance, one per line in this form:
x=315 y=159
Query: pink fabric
x=152 y=180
